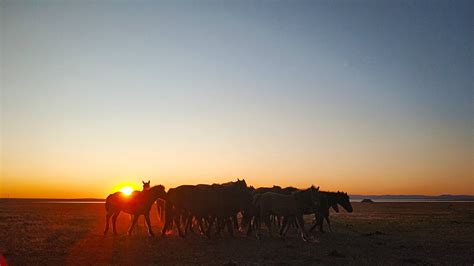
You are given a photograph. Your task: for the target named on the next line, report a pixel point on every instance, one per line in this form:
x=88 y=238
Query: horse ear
x=148 y=181
x=143 y=182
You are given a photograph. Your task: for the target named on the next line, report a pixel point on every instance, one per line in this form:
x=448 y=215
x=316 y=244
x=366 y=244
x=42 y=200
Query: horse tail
x=163 y=210
x=107 y=204
x=255 y=203
x=168 y=211
x=160 y=207
x=256 y=199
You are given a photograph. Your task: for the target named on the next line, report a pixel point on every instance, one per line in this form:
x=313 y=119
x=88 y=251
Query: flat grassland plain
x=375 y=233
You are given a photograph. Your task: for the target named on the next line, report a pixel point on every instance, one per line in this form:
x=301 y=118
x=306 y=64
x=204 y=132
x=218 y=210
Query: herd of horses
x=219 y=205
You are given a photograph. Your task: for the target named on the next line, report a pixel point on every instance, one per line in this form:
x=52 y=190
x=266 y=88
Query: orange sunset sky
x=99 y=95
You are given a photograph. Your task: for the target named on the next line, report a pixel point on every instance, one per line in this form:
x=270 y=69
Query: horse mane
x=334 y=193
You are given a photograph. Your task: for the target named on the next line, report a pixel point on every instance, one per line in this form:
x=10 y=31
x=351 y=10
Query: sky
x=369 y=97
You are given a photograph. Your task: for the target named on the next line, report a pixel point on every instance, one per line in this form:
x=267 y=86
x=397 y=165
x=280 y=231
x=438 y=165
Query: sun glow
x=127 y=190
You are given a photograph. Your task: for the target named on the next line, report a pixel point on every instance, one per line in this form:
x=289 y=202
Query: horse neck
x=332 y=198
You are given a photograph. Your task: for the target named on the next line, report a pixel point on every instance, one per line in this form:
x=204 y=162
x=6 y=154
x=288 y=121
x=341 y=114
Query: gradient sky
x=372 y=97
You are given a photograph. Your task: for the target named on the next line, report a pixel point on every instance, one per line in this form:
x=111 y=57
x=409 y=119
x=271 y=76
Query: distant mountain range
x=445 y=197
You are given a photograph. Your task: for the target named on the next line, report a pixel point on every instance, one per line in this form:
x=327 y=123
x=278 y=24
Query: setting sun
x=126 y=190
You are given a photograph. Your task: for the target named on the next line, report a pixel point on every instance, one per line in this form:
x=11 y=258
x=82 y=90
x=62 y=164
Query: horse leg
x=219 y=223
x=315 y=223
x=107 y=220
x=229 y=227
x=177 y=221
x=134 y=222
x=249 y=225
x=235 y=222
x=283 y=225
x=321 y=224
x=258 y=226
x=300 y=223
x=114 y=221
x=211 y=222
x=189 y=224
x=158 y=211
x=291 y=220
x=192 y=223
x=201 y=226
x=168 y=215
x=166 y=226
x=329 y=223
x=148 y=224
x=268 y=223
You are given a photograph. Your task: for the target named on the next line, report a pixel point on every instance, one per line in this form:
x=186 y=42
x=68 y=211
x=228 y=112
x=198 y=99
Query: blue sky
x=338 y=93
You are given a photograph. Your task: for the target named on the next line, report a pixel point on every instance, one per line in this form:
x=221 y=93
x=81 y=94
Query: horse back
x=278 y=204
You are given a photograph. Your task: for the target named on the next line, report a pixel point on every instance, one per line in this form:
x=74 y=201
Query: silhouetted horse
x=250 y=213
x=205 y=203
x=328 y=200
x=287 y=206
x=136 y=204
x=160 y=204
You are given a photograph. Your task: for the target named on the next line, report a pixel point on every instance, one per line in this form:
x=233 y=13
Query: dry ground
x=378 y=233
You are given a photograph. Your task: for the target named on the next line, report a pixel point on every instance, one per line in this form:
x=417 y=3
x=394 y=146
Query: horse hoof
x=305 y=239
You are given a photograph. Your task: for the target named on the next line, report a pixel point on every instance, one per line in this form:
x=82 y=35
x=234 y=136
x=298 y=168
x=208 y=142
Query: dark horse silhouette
x=205 y=202
x=328 y=200
x=136 y=204
x=287 y=206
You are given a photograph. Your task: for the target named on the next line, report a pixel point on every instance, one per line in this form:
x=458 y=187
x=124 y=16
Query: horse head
x=314 y=194
x=146 y=185
x=343 y=200
x=240 y=184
